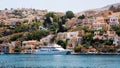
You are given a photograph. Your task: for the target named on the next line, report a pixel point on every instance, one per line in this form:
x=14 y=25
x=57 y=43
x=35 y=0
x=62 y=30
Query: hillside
x=117 y=5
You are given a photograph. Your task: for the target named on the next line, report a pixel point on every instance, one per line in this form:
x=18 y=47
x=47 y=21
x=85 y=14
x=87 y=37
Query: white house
x=116 y=40
x=113 y=21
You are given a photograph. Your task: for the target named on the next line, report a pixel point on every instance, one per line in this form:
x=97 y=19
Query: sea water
x=59 y=61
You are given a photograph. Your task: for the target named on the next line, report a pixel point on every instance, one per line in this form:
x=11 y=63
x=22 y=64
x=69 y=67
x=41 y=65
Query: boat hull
x=51 y=52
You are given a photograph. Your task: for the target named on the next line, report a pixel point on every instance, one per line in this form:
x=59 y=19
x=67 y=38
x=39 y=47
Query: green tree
x=69 y=14
x=28 y=36
x=62 y=43
x=37 y=34
x=109 y=42
x=117 y=29
x=17 y=49
x=52 y=28
x=15 y=37
x=87 y=39
x=118 y=32
x=1 y=41
x=63 y=19
x=86 y=29
x=5 y=33
x=78 y=48
x=19 y=28
x=50 y=18
x=61 y=28
x=101 y=31
x=81 y=17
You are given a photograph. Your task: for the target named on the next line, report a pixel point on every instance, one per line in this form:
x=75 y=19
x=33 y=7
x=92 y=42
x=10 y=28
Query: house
x=98 y=26
x=87 y=22
x=29 y=46
x=67 y=35
x=4 y=48
x=1 y=49
x=111 y=34
x=72 y=43
x=72 y=34
x=116 y=40
x=98 y=36
x=100 y=23
x=62 y=35
x=79 y=40
x=46 y=39
x=100 y=19
x=113 y=21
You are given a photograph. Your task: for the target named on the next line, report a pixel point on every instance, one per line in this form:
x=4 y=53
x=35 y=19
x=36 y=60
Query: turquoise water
x=59 y=61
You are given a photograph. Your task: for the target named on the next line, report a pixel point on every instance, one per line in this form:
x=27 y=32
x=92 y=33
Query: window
x=71 y=35
x=113 y=20
x=70 y=45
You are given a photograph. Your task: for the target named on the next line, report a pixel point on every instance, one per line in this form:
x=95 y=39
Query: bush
x=62 y=43
x=15 y=37
x=1 y=41
x=37 y=34
x=69 y=14
x=78 y=48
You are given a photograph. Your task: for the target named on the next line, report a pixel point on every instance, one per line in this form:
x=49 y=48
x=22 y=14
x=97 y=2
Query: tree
x=62 y=43
x=15 y=37
x=118 y=32
x=50 y=18
x=101 y=31
x=78 y=48
x=5 y=33
x=69 y=14
x=85 y=29
x=61 y=28
x=1 y=41
x=17 y=49
x=37 y=34
x=109 y=42
x=81 y=17
x=19 y=28
x=63 y=19
x=28 y=36
x=117 y=29
x=53 y=27
x=87 y=39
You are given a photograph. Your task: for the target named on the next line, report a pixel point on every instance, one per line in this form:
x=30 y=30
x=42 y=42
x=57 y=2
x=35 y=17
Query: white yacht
x=51 y=49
